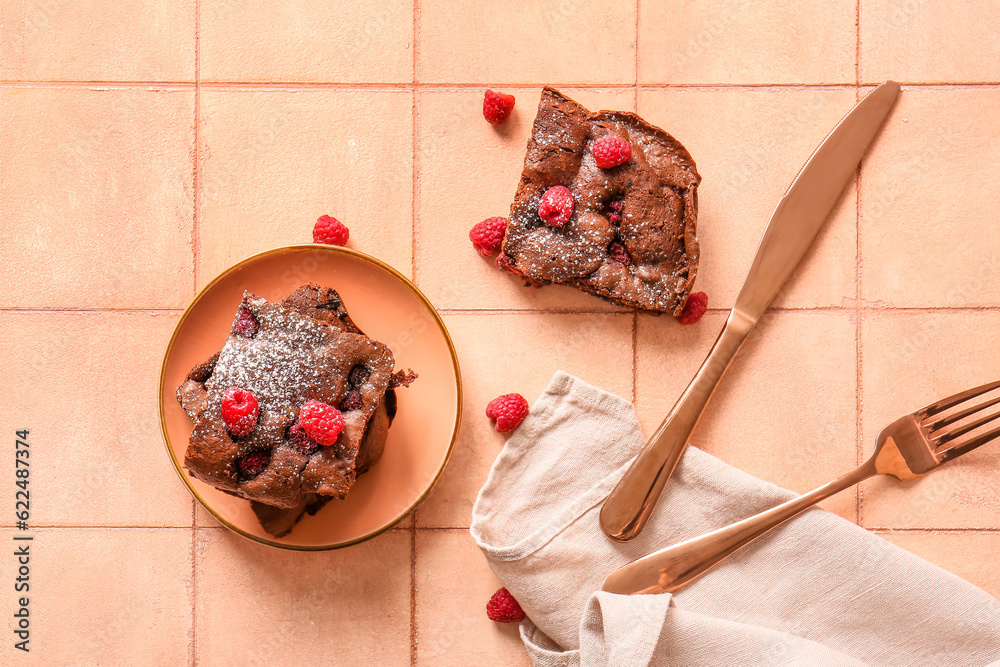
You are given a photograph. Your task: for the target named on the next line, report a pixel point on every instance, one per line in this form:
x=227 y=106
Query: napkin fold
x=818 y=590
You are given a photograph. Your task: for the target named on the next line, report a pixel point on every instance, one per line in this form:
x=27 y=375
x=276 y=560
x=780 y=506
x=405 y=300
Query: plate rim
x=161 y=385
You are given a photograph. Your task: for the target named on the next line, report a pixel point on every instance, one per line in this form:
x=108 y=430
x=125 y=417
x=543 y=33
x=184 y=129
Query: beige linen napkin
x=817 y=591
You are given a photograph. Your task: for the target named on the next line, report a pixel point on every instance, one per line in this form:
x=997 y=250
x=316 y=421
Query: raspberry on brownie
x=305 y=349
x=279 y=521
x=629 y=236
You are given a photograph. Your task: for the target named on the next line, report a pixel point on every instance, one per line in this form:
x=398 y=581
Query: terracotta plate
x=387 y=307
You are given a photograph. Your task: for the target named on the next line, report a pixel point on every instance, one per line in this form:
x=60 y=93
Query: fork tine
x=951 y=434
x=938 y=424
x=966 y=447
x=961 y=397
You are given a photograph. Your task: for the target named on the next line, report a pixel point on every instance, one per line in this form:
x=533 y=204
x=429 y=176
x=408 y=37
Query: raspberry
x=322 y=422
x=508 y=410
x=614 y=211
x=497 y=106
x=330 y=231
x=556 y=206
x=358 y=375
x=300 y=440
x=619 y=253
x=246 y=324
x=503 y=608
x=252 y=464
x=240 y=411
x=351 y=402
x=487 y=236
x=696 y=306
x=610 y=152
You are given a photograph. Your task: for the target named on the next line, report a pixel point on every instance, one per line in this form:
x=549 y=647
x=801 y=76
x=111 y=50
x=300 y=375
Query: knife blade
x=796 y=221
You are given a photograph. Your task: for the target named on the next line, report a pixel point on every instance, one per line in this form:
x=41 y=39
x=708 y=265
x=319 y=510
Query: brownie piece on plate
x=628 y=232
x=304 y=351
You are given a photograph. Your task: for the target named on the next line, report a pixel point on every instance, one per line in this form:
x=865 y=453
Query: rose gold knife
x=796 y=220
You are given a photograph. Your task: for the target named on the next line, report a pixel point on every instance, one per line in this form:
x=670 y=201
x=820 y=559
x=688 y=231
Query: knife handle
x=630 y=503
x=670 y=569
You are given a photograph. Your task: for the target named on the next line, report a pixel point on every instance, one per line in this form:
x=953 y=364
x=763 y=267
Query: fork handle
x=630 y=503
x=669 y=569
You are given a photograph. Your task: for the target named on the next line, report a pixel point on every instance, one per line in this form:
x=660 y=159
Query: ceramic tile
x=785 y=411
x=971 y=556
x=926 y=201
x=749 y=144
x=575 y=41
x=260 y=605
x=96 y=191
x=451 y=621
x=912 y=359
x=777 y=41
x=84 y=385
x=929 y=40
x=119 y=596
x=272 y=162
x=60 y=40
x=595 y=348
x=306 y=40
x=459 y=153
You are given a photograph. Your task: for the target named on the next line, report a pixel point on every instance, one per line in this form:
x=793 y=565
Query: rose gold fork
x=906 y=448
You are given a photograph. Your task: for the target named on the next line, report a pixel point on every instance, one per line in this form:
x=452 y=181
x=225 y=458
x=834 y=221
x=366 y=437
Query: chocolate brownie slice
x=631 y=238
x=289 y=359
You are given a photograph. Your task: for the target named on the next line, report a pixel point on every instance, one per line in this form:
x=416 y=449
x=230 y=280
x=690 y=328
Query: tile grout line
x=858 y=351
x=414 y=245
x=859 y=306
x=857 y=43
x=858 y=402
x=392 y=85
x=935 y=531
x=636 y=65
x=413 y=590
x=185 y=527
x=192 y=651
x=26 y=83
x=444 y=85
x=219 y=527
x=151 y=311
x=414 y=181
x=196 y=259
x=73 y=526
x=931 y=310
x=196 y=178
